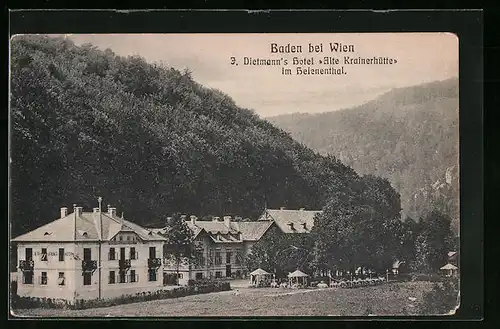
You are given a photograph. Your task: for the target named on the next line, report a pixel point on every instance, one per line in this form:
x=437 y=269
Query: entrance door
x=228 y=271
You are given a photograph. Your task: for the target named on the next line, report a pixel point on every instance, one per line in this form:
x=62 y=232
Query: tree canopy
x=408 y=135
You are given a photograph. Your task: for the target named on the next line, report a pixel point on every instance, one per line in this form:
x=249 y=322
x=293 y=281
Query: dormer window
x=83 y=233
x=47 y=233
x=304 y=225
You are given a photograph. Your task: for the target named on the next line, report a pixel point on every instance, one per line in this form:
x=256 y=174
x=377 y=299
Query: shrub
x=441 y=299
x=33 y=302
x=432 y=277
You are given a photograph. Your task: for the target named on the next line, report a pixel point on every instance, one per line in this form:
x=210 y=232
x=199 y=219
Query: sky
x=421 y=57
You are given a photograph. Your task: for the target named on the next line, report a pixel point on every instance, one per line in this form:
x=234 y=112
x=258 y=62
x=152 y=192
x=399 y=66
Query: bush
x=432 y=277
x=195 y=288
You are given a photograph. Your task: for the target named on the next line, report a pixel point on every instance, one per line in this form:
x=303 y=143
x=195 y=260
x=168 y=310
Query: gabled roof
x=85 y=227
x=297 y=274
x=397 y=264
x=236 y=232
x=285 y=217
x=259 y=271
x=449 y=267
x=253 y=231
x=214 y=227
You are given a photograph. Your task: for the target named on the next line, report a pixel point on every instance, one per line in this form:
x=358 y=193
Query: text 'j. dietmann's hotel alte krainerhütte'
x=88 y=255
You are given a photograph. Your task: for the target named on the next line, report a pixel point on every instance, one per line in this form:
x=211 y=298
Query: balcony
x=89 y=265
x=124 y=263
x=154 y=262
x=26 y=265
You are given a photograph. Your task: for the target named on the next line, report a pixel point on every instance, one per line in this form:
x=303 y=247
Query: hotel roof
x=291 y=221
x=221 y=233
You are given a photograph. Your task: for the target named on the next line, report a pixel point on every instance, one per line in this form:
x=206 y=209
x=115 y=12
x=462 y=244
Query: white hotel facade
x=88 y=255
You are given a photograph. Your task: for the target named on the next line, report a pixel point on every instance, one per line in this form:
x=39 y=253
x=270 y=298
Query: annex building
x=223 y=243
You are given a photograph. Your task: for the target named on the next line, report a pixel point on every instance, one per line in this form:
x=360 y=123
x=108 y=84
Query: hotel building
x=88 y=255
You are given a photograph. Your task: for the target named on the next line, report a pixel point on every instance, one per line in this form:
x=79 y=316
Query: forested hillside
x=148 y=139
x=408 y=135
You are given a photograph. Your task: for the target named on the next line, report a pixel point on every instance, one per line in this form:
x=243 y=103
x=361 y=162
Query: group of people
x=342 y=283
x=356 y=282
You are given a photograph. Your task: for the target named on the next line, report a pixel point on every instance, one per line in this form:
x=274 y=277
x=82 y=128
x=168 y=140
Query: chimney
x=291 y=226
x=183 y=217
x=193 y=219
x=227 y=221
x=282 y=208
x=301 y=209
x=64 y=212
x=111 y=211
x=78 y=211
x=215 y=219
x=304 y=225
x=96 y=210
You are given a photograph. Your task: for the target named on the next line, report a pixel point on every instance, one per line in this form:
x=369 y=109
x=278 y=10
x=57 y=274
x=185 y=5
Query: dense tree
x=433 y=242
x=279 y=253
x=408 y=135
x=360 y=226
x=179 y=245
x=147 y=138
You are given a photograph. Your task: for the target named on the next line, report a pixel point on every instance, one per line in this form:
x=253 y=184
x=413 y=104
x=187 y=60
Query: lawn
x=387 y=299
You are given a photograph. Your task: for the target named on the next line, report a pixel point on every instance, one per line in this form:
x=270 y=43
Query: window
x=199 y=276
x=218 y=258
x=180 y=276
x=28 y=253
x=43 y=257
x=238 y=257
x=112 y=277
x=132 y=276
x=210 y=257
x=200 y=260
x=61 y=280
x=123 y=277
x=120 y=238
x=228 y=257
x=28 y=277
x=128 y=238
x=152 y=274
x=87 y=254
x=61 y=254
x=133 y=253
x=43 y=278
x=152 y=252
x=112 y=254
x=218 y=274
x=87 y=278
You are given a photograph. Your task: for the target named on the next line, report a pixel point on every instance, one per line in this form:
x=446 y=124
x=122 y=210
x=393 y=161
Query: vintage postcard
x=266 y=174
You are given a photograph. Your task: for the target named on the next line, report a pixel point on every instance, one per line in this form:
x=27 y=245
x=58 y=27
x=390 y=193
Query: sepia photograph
x=234 y=175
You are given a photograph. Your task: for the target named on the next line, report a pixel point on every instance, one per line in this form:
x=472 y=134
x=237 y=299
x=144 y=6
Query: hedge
x=35 y=302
